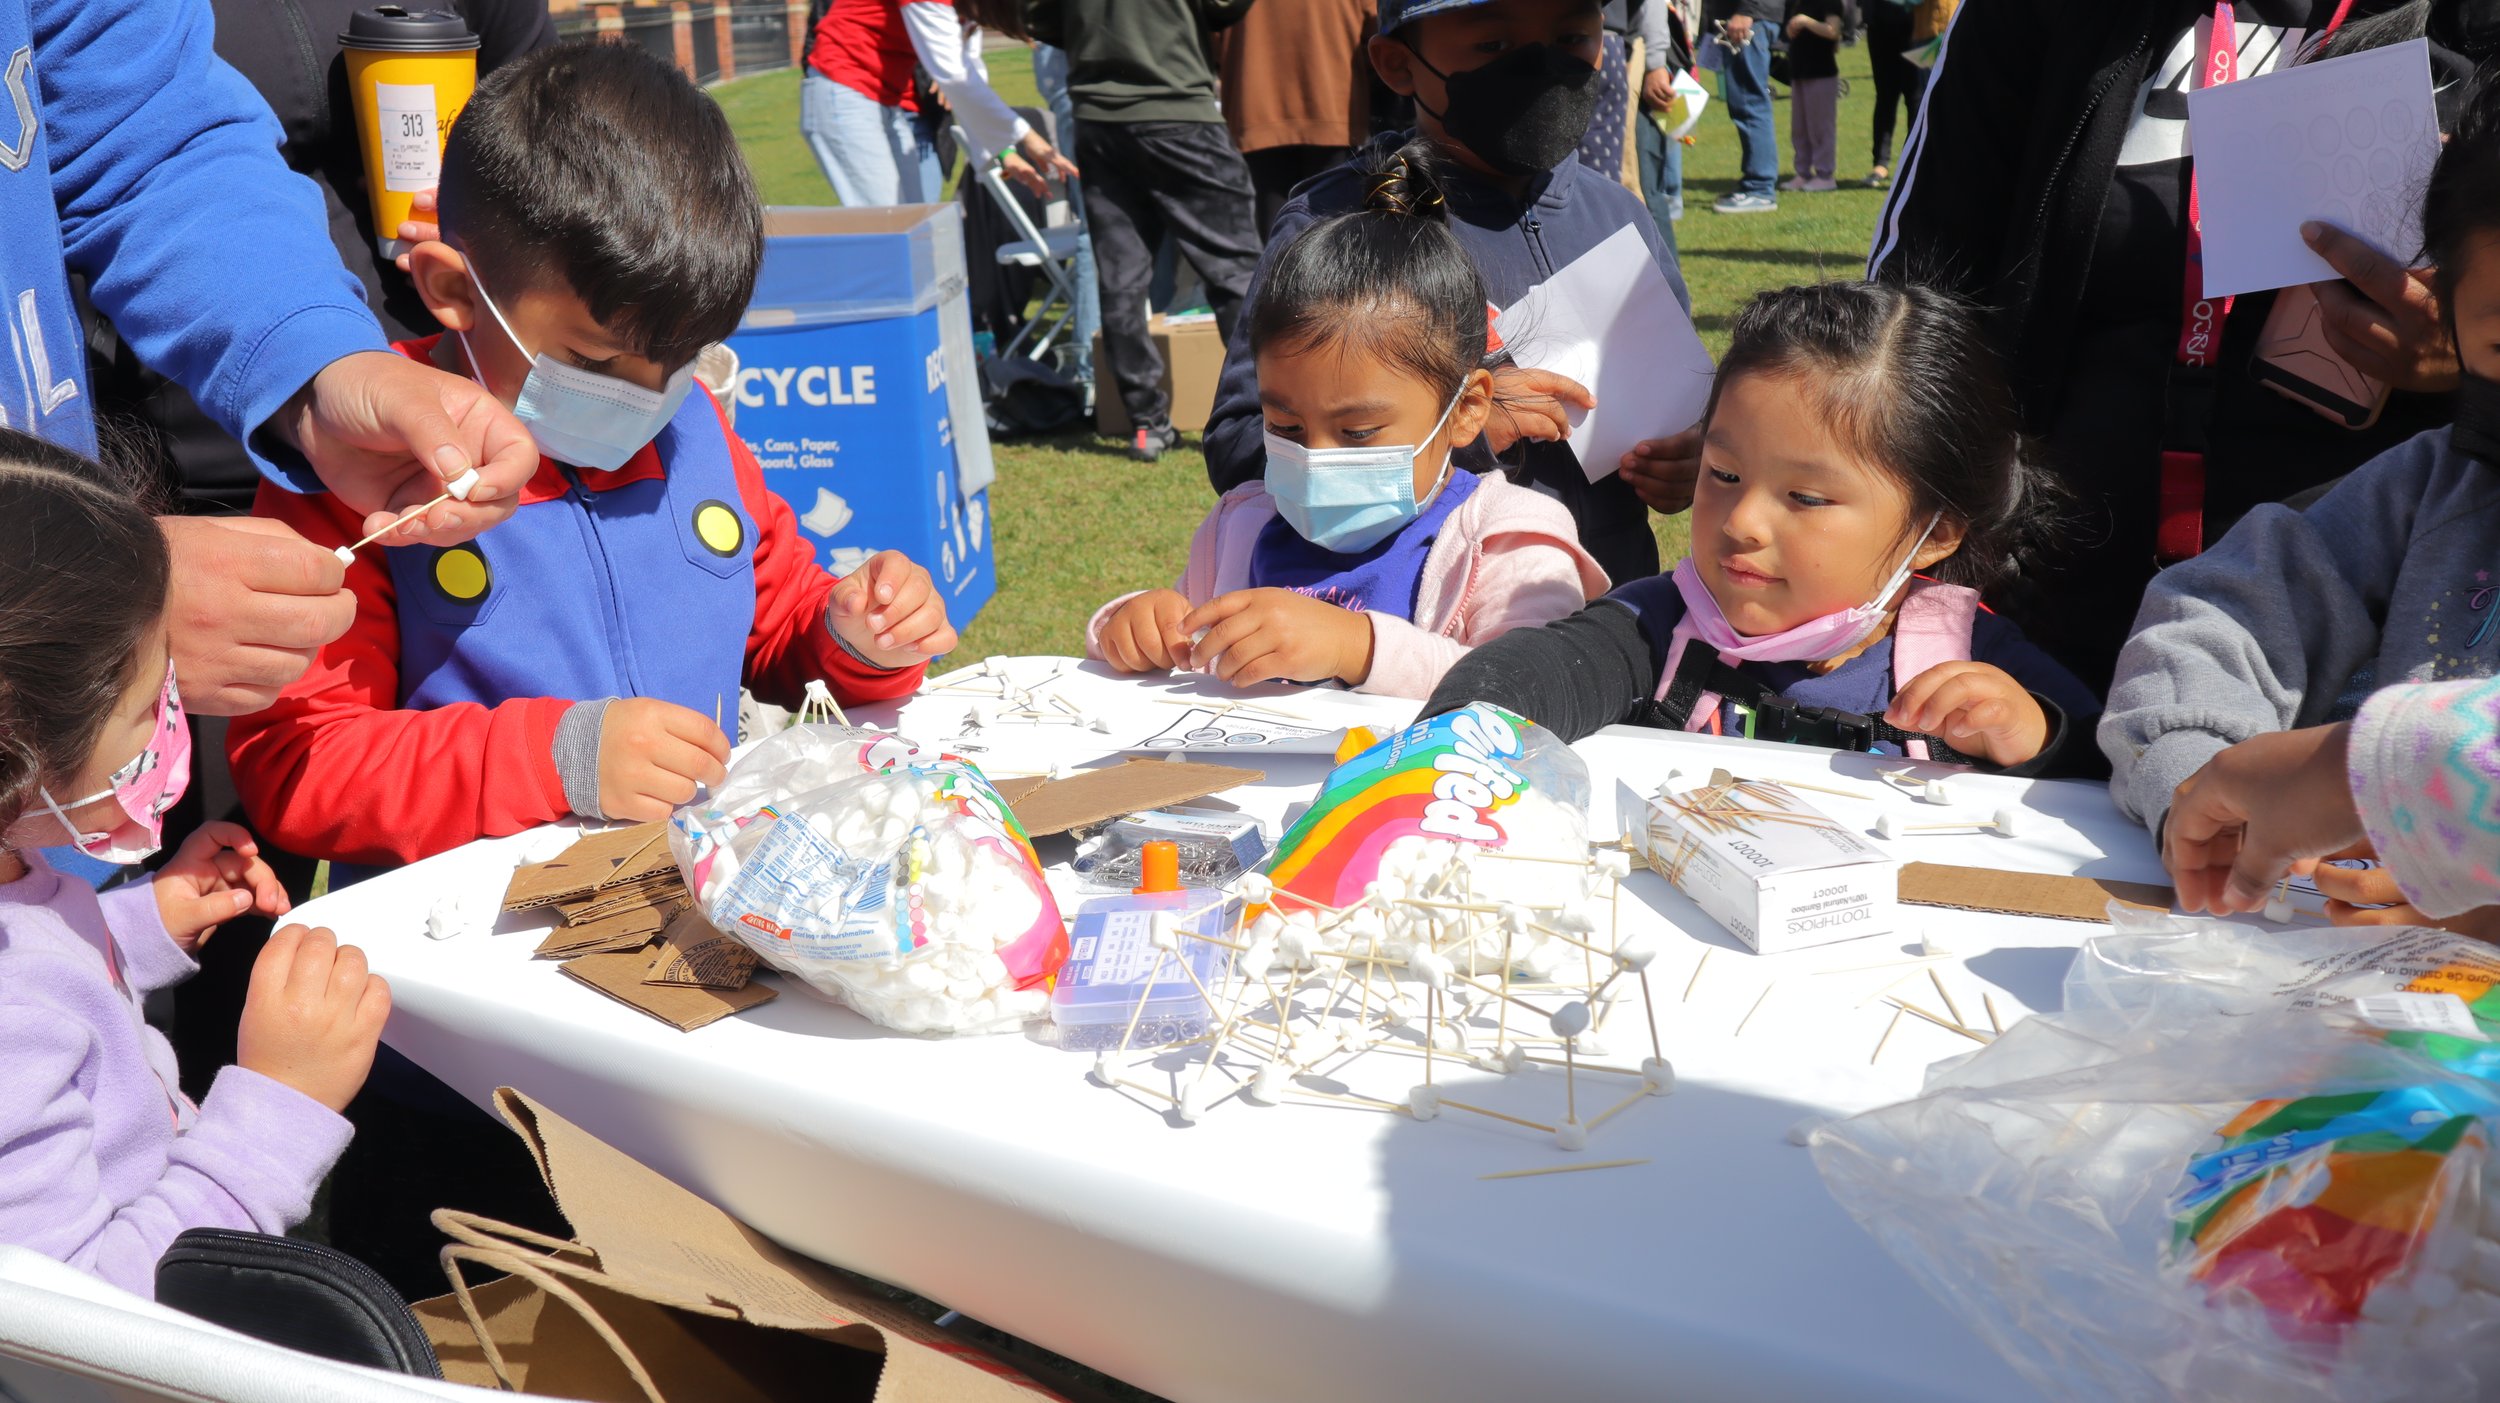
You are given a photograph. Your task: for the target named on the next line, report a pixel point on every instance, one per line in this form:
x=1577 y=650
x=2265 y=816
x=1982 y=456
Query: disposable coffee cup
x=409 y=72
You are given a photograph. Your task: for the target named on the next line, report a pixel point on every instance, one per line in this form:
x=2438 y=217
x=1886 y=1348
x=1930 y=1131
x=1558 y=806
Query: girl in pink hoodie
x=103 y=1160
x=1367 y=556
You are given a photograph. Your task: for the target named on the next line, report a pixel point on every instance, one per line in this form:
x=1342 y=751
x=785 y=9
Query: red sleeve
x=335 y=769
x=791 y=644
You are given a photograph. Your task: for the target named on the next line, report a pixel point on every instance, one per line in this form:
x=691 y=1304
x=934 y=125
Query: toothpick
x=1916 y=1012
x=1757 y=1008
x=1817 y=788
x=1897 y=1011
x=345 y=553
x=1449 y=1105
x=1639 y=1094
x=1990 y=1002
x=1562 y=1168
x=1946 y=994
x=1697 y=968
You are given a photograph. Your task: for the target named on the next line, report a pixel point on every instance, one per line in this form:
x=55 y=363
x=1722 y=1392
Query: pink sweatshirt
x=1508 y=558
x=102 y=1160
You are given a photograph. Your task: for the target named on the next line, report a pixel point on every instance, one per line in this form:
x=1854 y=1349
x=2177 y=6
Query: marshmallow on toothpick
x=458 y=490
x=2008 y=823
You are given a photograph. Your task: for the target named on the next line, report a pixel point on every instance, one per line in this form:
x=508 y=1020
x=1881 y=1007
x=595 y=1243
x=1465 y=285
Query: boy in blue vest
x=599 y=228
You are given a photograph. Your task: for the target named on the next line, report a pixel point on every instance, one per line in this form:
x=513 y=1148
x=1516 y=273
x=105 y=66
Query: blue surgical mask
x=1349 y=499
x=580 y=416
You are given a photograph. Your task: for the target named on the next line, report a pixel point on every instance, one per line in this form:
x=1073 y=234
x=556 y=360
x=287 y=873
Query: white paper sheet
x=1609 y=320
x=2349 y=141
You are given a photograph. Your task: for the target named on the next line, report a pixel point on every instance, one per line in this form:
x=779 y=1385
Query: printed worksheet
x=2349 y=141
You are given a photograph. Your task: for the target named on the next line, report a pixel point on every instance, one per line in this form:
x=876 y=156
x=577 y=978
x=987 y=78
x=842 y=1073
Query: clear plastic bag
x=2242 y=1163
x=888 y=876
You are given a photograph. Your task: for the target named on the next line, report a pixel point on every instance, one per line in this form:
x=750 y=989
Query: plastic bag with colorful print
x=887 y=876
x=2241 y=1163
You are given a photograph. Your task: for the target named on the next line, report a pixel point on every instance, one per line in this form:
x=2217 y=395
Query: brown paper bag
x=663 y=1298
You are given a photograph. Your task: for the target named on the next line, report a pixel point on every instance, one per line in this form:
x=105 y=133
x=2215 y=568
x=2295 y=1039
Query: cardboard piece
x=618 y=974
x=1193 y=360
x=616 y=856
x=631 y=930
x=704 y=1308
x=2026 y=893
x=1047 y=806
x=1778 y=873
x=693 y=953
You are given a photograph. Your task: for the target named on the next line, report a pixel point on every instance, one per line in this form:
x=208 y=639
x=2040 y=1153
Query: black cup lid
x=407 y=29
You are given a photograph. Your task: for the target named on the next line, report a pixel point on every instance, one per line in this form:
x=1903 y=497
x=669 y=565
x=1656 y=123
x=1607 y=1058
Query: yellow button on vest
x=462 y=575
x=719 y=529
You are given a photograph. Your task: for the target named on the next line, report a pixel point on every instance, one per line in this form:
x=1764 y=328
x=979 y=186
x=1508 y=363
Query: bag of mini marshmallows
x=884 y=875
x=1440 y=812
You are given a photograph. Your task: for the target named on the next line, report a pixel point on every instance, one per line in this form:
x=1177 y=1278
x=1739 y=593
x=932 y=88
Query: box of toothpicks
x=1777 y=872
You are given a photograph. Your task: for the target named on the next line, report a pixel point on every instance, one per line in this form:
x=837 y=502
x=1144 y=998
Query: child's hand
x=1260 y=635
x=1529 y=404
x=2267 y=807
x=653 y=755
x=1145 y=634
x=890 y=611
x=216 y=875
x=1980 y=710
x=1662 y=470
x=312 y=1016
x=2369 y=896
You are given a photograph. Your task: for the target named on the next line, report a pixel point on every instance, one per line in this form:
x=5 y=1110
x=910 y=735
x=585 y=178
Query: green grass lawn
x=1076 y=522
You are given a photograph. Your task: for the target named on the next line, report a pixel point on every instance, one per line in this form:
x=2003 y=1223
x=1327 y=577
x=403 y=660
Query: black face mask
x=1524 y=112
x=2475 y=432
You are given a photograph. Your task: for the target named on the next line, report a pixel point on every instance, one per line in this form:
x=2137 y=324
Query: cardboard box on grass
x=1193 y=360
x=1778 y=873
x=663 y=1298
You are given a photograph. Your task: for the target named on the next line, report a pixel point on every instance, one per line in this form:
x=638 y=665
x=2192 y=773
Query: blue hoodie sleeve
x=211 y=257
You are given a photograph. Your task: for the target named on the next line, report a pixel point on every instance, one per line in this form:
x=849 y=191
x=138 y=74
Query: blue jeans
x=1050 y=75
x=1661 y=164
x=1745 y=86
x=871 y=154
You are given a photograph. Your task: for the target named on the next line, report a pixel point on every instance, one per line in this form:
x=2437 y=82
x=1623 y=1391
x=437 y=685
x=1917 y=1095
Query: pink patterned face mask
x=150 y=784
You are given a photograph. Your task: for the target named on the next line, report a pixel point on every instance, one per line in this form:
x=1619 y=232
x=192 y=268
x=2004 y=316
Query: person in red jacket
x=599 y=229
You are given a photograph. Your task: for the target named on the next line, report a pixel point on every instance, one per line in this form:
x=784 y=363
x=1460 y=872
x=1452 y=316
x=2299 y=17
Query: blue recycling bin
x=858 y=395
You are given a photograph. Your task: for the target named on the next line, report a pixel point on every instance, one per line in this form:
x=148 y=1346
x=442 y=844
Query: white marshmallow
x=1803 y=1131
x=1165 y=933
x=463 y=485
x=1927 y=946
x=1571 y=1020
x=346 y=556
x=1514 y=1059
x=1424 y=1102
x=2434 y=1290
x=1571 y=1135
x=1193 y=1102
x=2279 y=910
x=1384 y=893
x=1429 y=967
x=1267 y=1085
x=2009 y=822
x=2483 y=1264
x=1613 y=864
x=1256 y=889
x=1936 y=791
x=1101 y=1074
x=1887 y=827
x=1658 y=1074
x=1636 y=952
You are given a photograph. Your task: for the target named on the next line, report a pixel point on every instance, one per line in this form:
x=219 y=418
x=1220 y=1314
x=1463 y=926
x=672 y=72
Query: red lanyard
x=2180 y=532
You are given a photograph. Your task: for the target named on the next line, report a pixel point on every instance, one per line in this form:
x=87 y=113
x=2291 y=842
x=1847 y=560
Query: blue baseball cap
x=1396 y=14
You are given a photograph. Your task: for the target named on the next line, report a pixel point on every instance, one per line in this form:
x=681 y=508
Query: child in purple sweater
x=103 y=1161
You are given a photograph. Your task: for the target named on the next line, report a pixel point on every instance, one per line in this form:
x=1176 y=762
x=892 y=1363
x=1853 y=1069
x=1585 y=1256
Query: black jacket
x=2001 y=190
x=289 y=49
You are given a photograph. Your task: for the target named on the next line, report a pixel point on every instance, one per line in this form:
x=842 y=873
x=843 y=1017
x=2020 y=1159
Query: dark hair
x=83 y=574
x=1907 y=377
x=2463 y=197
x=997 y=16
x=1388 y=281
x=602 y=163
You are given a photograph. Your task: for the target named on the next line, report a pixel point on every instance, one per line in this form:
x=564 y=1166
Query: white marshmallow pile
x=893 y=891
